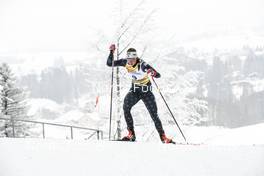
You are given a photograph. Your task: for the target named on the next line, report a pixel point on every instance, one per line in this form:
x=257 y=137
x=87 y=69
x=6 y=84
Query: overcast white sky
x=50 y=25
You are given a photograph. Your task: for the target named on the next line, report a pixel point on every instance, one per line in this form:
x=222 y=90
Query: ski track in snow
x=30 y=157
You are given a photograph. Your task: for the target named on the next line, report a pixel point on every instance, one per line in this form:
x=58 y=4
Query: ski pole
x=111 y=100
x=111 y=103
x=169 y=109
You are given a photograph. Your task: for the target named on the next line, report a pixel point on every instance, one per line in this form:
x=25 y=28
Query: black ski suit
x=140 y=90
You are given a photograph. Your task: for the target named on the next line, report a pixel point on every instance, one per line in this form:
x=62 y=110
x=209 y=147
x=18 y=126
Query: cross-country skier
x=141 y=90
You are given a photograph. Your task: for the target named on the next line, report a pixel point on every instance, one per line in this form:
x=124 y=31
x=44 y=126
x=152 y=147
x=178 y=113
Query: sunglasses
x=131 y=55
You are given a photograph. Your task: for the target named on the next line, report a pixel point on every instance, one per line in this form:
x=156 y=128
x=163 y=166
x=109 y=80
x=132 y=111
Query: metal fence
x=97 y=132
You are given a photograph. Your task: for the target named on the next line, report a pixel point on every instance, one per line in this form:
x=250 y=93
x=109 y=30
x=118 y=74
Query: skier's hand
x=152 y=72
x=112 y=47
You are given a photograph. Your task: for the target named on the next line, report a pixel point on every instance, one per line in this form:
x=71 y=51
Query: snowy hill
x=67 y=158
x=252 y=134
x=234 y=152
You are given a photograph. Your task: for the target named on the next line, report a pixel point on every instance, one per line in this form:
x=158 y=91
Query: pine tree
x=13 y=103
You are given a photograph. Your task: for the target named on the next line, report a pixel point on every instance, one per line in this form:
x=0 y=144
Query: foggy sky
x=28 y=25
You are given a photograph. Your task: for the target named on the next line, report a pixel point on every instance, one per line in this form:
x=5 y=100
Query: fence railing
x=97 y=132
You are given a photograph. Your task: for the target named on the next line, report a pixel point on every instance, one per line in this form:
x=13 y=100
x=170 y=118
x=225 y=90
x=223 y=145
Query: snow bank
x=30 y=157
x=253 y=134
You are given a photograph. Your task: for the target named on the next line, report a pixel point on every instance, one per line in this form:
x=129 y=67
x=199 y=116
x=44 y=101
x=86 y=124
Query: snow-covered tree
x=13 y=103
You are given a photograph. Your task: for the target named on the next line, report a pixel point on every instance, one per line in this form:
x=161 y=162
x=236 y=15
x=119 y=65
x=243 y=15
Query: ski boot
x=130 y=137
x=166 y=140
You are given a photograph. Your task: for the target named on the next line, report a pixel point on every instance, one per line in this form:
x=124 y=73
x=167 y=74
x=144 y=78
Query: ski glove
x=112 y=47
x=152 y=72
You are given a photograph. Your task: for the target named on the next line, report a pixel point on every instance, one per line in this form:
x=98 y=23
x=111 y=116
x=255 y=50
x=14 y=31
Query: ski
x=120 y=140
x=174 y=143
x=193 y=144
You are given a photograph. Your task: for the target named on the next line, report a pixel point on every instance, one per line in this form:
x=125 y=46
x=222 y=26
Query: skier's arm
x=120 y=62
x=147 y=68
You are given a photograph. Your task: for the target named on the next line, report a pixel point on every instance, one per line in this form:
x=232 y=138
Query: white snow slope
x=38 y=157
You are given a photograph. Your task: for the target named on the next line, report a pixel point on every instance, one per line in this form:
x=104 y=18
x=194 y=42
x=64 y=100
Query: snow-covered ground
x=29 y=157
x=249 y=135
x=234 y=152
